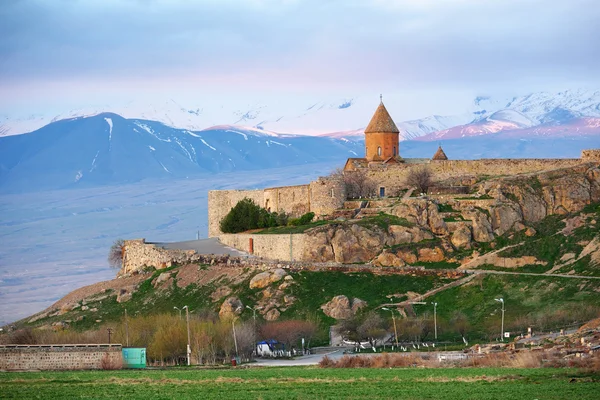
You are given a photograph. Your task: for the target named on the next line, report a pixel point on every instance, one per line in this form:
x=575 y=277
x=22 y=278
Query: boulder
x=260 y=280
x=482 y=228
x=272 y=315
x=124 y=295
x=504 y=217
x=264 y=279
x=340 y=307
x=388 y=259
x=431 y=255
x=530 y=232
x=407 y=256
x=231 y=306
x=461 y=238
x=357 y=305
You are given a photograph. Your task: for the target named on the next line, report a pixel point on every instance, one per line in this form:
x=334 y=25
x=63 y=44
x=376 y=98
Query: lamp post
x=187 y=320
x=254 y=331
x=178 y=309
x=501 y=300
x=233 y=329
x=393 y=319
x=435 y=319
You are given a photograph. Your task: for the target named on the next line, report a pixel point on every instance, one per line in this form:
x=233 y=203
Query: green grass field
x=305 y=383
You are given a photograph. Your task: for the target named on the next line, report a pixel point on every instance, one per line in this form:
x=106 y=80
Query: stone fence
x=268 y=262
x=286 y=247
x=60 y=357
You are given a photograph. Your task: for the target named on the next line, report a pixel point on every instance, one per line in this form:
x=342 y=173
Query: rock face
x=423 y=213
x=482 y=228
x=231 y=306
x=264 y=279
x=461 y=238
x=352 y=243
x=340 y=307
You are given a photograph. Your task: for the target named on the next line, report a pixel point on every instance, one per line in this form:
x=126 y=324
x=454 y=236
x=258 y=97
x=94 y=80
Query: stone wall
x=220 y=202
x=393 y=177
x=592 y=155
x=322 y=197
x=285 y=247
x=60 y=357
x=294 y=200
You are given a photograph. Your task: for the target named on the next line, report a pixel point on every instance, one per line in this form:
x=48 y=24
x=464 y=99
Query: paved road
x=203 y=246
x=487 y=271
x=312 y=359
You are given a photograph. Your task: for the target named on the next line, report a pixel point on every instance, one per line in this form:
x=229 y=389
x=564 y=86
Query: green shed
x=134 y=357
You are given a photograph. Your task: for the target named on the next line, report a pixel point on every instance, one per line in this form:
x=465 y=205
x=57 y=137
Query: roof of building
x=381 y=122
x=440 y=155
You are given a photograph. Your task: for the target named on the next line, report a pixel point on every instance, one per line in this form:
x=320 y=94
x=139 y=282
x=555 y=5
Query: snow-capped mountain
x=347 y=117
x=110 y=149
x=563 y=114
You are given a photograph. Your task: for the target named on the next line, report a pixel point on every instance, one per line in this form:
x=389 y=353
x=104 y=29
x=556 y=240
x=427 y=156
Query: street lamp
x=435 y=319
x=254 y=332
x=233 y=328
x=187 y=320
x=501 y=300
x=178 y=309
x=393 y=319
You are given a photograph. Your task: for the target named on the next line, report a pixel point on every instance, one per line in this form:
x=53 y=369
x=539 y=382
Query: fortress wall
x=60 y=357
x=220 y=202
x=591 y=155
x=294 y=200
x=327 y=195
x=394 y=176
x=138 y=254
x=284 y=247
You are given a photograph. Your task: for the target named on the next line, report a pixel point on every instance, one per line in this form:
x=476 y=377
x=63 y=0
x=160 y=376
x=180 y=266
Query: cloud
x=268 y=43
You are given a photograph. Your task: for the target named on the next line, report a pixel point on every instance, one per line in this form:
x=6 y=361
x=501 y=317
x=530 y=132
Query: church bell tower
x=381 y=136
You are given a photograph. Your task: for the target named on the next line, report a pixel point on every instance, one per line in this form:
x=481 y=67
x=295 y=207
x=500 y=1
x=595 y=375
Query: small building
x=440 y=155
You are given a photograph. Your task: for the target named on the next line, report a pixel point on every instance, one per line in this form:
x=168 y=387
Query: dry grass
x=526 y=359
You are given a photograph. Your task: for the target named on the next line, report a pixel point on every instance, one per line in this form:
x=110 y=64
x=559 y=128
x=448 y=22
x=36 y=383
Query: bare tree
x=460 y=323
x=419 y=178
x=115 y=254
x=357 y=183
x=372 y=328
x=288 y=332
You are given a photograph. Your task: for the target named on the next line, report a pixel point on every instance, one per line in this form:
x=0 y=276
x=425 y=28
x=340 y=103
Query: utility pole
x=254 y=332
x=126 y=328
x=109 y=330
x=189 y=349
x=435 y=319
x=393 y=319
x=501 y=300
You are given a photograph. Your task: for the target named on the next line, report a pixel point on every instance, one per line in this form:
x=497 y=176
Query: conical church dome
x=381 y=122
x=440 y=155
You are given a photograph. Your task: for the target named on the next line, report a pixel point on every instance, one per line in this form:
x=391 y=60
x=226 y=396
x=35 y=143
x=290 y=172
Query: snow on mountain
x=108 y=149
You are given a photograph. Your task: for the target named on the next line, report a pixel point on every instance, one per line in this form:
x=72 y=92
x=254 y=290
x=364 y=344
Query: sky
x=432 y=55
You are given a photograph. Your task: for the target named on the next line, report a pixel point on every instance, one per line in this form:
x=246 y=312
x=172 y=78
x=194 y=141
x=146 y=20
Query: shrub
x=245 y=215
x=307 y=218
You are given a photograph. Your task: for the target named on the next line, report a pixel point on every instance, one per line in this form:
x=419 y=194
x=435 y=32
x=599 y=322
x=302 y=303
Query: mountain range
x=569 y=112
x=108 y=148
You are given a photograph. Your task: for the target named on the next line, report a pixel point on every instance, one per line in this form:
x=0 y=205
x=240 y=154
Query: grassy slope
x=528 y=298
x=305 y=383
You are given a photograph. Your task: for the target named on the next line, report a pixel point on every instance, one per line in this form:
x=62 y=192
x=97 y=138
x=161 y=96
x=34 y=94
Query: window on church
x=394 y=150
x=379 y=151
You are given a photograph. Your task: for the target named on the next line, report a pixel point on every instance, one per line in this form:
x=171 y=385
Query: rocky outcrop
x=231 y=307
x=421 y=212
x=353 y=243
x=482 y=227
x=264 y=279
x=461 y=238
x=340 y=307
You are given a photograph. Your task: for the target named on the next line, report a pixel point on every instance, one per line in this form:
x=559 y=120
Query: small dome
x=440 y=155
x=381 y=122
